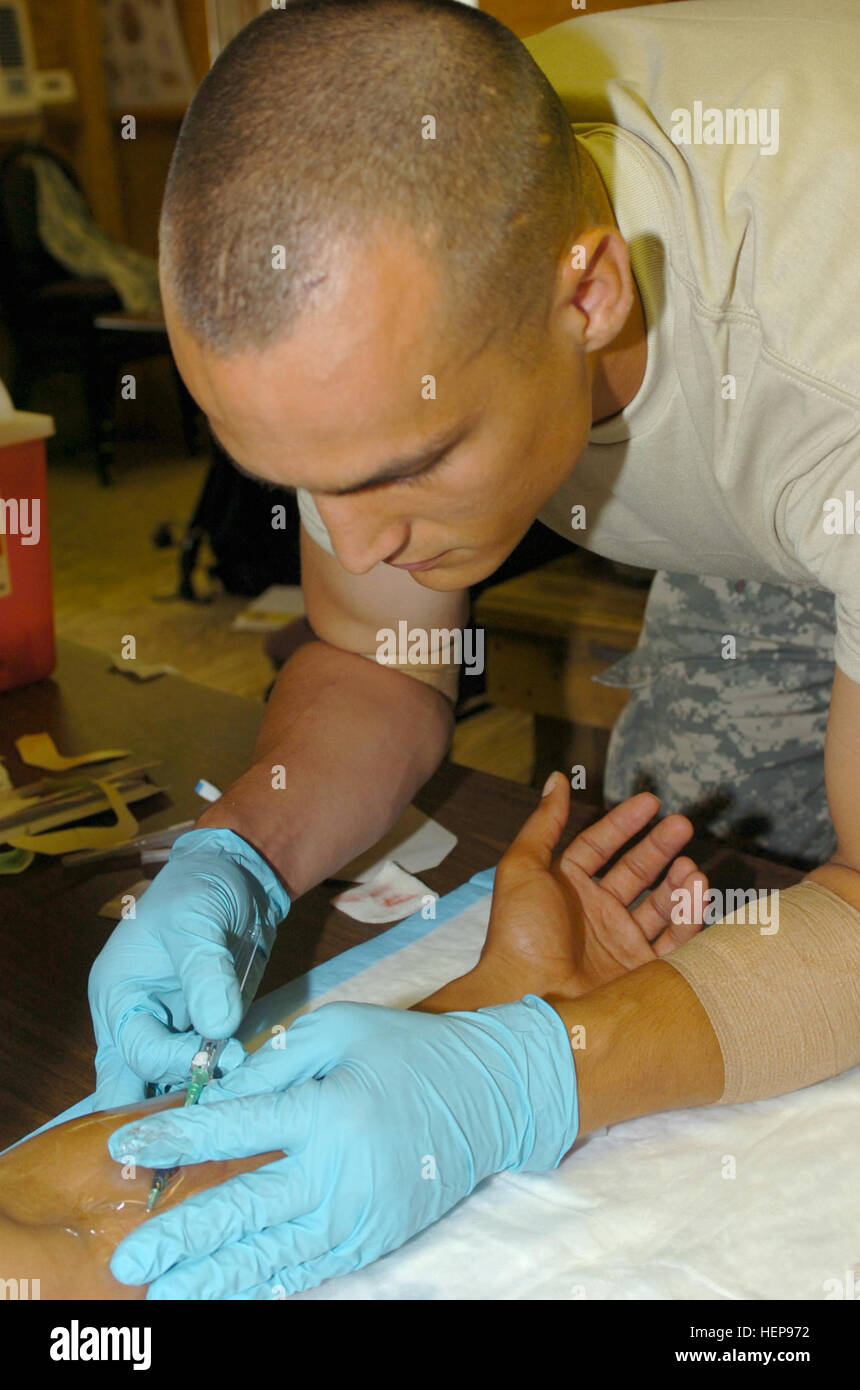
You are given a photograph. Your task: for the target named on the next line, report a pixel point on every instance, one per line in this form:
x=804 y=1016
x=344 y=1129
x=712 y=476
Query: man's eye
x=414 y=478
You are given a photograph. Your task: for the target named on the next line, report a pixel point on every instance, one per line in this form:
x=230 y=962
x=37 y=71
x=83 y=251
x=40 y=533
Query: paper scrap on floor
x=139 y=671
x=731 y=1202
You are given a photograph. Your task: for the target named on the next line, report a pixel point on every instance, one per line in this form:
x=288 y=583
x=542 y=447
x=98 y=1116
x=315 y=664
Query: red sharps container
x=26 y=605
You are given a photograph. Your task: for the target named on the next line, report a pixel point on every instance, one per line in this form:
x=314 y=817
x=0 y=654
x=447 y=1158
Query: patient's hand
x=554 y=929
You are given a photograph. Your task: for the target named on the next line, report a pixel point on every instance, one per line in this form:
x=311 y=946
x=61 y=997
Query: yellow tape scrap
x=84 y=836
x=40 y=750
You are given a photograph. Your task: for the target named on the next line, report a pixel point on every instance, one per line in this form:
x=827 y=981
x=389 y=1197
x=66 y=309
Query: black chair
x=57 y=321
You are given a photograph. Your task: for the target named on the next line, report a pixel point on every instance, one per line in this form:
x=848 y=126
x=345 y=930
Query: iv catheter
x=250 y=955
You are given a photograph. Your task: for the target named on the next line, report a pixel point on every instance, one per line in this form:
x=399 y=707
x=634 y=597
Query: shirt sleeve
x=846 y=648
x=823 y=527
x=312 y=521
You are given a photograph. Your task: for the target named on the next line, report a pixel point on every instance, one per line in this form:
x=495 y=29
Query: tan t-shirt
x=739 y=455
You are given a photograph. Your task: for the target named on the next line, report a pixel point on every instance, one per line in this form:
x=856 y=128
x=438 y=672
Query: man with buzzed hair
x=397 y=279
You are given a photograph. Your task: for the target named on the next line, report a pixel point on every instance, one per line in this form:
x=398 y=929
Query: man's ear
x=596 y=279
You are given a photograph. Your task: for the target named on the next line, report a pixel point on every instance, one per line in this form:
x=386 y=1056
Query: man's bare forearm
x=342 y=749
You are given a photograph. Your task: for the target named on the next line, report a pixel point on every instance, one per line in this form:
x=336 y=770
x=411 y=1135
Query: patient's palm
x=554 y=928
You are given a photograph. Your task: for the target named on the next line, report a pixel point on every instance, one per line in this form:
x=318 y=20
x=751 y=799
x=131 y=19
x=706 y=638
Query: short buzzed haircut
x=308 y=133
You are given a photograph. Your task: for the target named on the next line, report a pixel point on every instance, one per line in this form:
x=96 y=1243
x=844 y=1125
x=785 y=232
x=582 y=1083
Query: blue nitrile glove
x=168 y=969
x=387 y=1118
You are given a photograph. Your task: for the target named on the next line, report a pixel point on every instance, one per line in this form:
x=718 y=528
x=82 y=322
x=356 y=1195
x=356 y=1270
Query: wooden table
x=49 y=929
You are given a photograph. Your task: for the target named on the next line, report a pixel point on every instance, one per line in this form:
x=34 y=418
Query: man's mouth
x=419 y=564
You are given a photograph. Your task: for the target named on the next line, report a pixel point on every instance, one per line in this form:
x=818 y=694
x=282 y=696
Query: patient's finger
x=655 y=912
x=676 y=933
x=596 y=844
x=539 y=835
x=645 y=861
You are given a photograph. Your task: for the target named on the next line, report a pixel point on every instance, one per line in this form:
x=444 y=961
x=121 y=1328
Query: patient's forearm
x=747 y=1010
x=65 y=1205
x=641 y=1044
x=764 y=1002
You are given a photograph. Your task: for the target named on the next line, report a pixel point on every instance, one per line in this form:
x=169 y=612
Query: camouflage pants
x=732 y=734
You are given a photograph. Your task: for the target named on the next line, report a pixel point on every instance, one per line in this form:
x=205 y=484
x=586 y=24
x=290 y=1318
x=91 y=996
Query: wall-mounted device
x=18 y=96
x=55 y=86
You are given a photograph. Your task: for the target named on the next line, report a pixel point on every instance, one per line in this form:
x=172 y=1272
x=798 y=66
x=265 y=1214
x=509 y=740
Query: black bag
x=252 y=528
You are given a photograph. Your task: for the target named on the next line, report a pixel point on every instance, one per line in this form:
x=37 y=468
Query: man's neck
x=618 y=370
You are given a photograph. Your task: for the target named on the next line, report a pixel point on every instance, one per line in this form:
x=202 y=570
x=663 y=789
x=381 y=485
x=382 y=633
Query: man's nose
x=361 y=535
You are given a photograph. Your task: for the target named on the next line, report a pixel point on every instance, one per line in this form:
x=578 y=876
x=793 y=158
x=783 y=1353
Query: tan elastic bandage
x=784 y=1004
